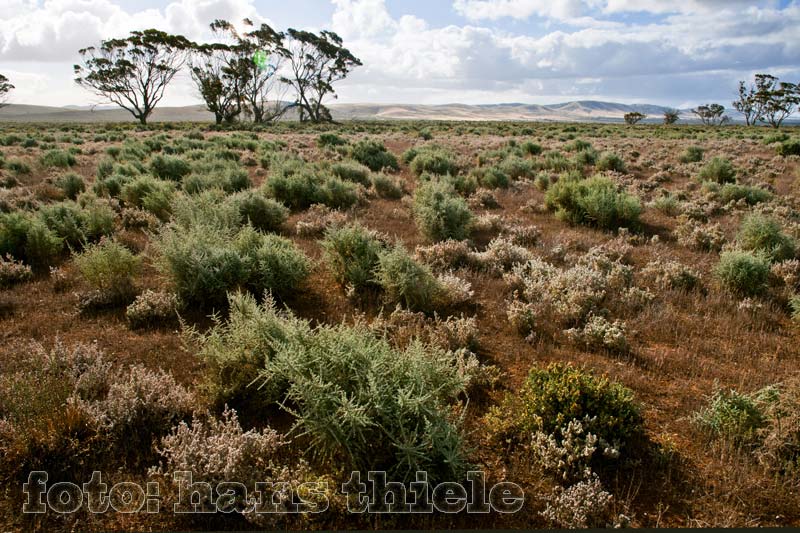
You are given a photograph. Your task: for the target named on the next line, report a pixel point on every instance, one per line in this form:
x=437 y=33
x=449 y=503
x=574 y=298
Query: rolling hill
x=578 y=111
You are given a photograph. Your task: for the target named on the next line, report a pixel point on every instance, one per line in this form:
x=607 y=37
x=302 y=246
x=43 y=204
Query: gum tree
x=671 y=116
x=5 y=88
x=315 y=63
x=634 y=117
x=711 y=114
x=133 y=72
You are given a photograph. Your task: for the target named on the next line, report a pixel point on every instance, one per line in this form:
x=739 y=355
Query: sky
x=676 y=53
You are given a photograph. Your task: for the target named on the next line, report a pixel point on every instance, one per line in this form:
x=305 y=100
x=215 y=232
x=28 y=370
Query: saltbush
x=352 y=252
x=719 y=170
x=108 y=267
x=440 y=214
x=71 y=184
x=374 y=155
x=759 y=233
x=594 y=201
x=742 y=272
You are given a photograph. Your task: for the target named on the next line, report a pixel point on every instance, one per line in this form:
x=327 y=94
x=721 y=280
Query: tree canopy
x=133 y=72
x=5 y=88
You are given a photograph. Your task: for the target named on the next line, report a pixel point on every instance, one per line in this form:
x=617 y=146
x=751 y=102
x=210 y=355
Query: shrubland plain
x=604 y=314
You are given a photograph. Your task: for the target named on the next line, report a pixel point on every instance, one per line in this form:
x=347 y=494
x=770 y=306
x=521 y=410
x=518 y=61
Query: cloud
x=55 y=30
x=519 y=9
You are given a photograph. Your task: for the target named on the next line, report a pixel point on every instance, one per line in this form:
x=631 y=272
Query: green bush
x=71 y=184
x=262 y=213
x=299 y=185
x=352 y=253
x=531 y=148
x=386 y=186
x=434 y=161
x=408 y=282
x=58 y=158
x=743 y=272
x=150 y=194
x=28 y=239
x=77 y=225
x=108 y=267
x=516 y=167
x=491 y=177
x=733 y=192
x=762 y=234
x=207 y=260
x=169 y=168
x=18 y=166
x=330 y=139
x=610 y=161
x=731 y=416
x=788 y=148
x=719 y=170
x=441 y=214
x=594 y=202
x=552 y=397
x=693 y=154
x=351 y=171
x=374 y=155
x=362 y=403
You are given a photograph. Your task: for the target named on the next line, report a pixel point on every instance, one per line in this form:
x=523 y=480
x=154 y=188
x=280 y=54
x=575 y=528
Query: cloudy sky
x=676 y=53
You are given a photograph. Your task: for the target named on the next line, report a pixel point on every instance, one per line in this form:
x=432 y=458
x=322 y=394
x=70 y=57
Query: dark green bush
x=386 y=186
x=434 y=161
x=206 y=261
x=374 y=155
x=610 y=161
x=719 y=170
x=330 y=139
x=762 y=234
x=262 y=213
x=552 y=397
x=491 y=177
x=594 y=202
x=786 y=148
x=352 y=253
x=693 y=154
x=733 y=192
x=71 y=184
x=441 y=214
x=169 y=168
x=28 y=239
x=743 y=273
x=351 y=171
x=58 y=158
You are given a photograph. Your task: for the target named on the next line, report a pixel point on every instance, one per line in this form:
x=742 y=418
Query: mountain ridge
x=572 y=111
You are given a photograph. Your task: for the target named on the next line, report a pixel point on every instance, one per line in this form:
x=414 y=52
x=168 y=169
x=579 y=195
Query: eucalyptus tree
x=133 y=72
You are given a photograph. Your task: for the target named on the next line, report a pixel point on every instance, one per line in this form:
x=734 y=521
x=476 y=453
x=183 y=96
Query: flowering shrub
x=598 y=333
x=13 y=272
x=583 y=505
x=151 y=308
x=673 y=275
x=705 y=237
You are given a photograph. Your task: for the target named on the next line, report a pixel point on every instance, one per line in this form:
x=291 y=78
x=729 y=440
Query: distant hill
x=579 y=111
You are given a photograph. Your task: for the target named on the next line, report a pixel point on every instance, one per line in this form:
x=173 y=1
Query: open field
x=413 y=291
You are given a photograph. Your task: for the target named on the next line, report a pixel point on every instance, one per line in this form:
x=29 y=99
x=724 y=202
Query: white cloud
x=519 y=9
